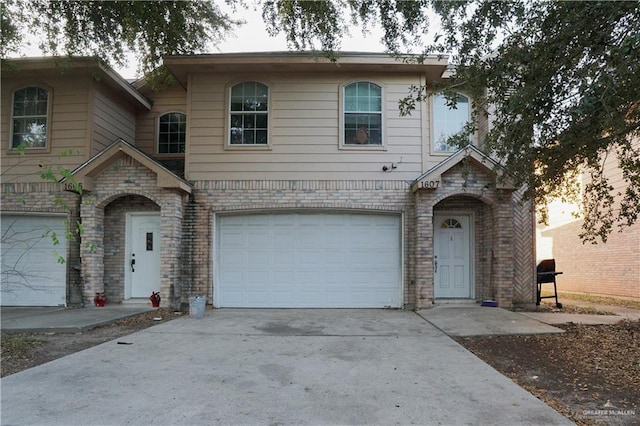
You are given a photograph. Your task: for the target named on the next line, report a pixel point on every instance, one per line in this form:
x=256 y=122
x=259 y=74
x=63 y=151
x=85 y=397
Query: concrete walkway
x=274 y=367
x=474 y=320
x=64 y=320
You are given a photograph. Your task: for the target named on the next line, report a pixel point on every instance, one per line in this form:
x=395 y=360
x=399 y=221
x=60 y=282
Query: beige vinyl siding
x=304 y=131
x=171 y=99
x=112 y=119
x=68 y=127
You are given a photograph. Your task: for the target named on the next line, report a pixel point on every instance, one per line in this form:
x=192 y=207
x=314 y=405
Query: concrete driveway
x=273 y=367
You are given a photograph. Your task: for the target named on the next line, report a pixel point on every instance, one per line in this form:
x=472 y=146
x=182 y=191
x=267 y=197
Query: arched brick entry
x=467 y=186
x=122 y=179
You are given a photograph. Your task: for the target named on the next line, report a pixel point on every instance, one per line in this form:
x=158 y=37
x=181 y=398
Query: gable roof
x=85 y=173
x=432 y=66
x=469 y=152
x=38 y=66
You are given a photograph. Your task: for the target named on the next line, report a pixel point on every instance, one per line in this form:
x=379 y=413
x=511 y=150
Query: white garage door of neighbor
x=31 y=274
x=303 y=260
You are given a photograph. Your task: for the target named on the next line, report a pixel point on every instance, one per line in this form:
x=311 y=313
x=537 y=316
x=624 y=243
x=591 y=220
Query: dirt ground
x=591 y=374
x=25 y=350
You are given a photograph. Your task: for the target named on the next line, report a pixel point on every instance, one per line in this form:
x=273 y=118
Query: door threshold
x=448 y=302
x=136 y=301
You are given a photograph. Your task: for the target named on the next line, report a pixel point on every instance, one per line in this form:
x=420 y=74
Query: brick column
x=171 y=249
x=503 y=267
x=424 y=249
x=92 y=250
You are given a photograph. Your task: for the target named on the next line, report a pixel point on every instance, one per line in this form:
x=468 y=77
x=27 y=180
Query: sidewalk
x=621 y=313
x=64 y=320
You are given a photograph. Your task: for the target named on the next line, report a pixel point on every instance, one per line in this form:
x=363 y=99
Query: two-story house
x=258 y=180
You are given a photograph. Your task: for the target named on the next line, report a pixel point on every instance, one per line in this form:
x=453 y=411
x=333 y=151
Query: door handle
x=133 y=262
x=435 y=269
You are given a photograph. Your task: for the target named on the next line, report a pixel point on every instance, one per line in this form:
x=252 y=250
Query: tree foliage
x=559 y=79
x=112 y=29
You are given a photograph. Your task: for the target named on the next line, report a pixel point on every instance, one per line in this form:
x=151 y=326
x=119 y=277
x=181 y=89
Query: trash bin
x=196 y=306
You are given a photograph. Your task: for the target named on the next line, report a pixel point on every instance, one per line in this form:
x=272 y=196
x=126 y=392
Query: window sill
x=248 y=147
x=27 y=151
x=362 y=147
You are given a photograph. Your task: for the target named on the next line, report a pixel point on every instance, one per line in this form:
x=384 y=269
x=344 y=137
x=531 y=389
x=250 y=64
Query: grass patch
x=18 y=344
x=570 y=309
x=598 y=300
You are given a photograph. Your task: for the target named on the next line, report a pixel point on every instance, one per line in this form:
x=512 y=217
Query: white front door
x=451 y=256
x=142 y=263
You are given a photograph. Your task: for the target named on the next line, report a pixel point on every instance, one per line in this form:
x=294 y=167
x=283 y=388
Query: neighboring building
x=258 y=180
x=608 y=269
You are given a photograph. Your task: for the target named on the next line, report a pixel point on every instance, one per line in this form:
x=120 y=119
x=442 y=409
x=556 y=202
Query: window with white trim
x=29 y=118
x=172 y=130
x=248 y=114
x=362 y=114
x=448 y=121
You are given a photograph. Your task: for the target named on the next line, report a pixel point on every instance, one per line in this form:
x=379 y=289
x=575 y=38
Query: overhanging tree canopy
x=560 y=79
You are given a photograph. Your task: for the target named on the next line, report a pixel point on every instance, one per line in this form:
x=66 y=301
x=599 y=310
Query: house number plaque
x=429 y=184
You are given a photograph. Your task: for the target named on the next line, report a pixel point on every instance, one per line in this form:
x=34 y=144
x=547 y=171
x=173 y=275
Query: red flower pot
x=100 y=300
x=155 y=299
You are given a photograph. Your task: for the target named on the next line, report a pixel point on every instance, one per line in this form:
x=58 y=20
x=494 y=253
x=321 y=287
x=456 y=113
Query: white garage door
x=300 y=260
x=31 y=274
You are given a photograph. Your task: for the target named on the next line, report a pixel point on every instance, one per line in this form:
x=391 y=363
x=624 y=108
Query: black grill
x=546 y=272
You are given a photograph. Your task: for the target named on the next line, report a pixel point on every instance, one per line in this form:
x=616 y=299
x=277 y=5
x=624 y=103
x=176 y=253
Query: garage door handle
x=133 y=262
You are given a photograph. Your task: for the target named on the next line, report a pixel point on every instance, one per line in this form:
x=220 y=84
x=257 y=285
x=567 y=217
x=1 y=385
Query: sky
x=253 y=37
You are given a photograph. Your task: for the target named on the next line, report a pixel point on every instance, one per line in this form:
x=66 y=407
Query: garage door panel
x=312 y=260
x=31 y=273
x=284 y=238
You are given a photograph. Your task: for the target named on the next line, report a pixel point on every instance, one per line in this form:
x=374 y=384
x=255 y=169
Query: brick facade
x=609 y=269
x=188 y=227
x=492 y=211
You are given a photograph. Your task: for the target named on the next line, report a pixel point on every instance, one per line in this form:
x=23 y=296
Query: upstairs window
x=248 y=114
x=172 y=131
x=448 y=121
x=362 y=114
x=29 y=118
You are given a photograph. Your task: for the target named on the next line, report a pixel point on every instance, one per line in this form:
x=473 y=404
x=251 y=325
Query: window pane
x=251 y=100
x=363 y=114
x=262 y=91
x=351 y=90
x=375 y=104
x=237 y=91
x=363 y=129
x=448 y=121
x=29 y=111
x=363 y=104
x=261 y=121
x=350 y=103
x=236 y=135
x=249 y=137
x=30 y=132
x=172 y=133
x=363 y=88
x=261 y=137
